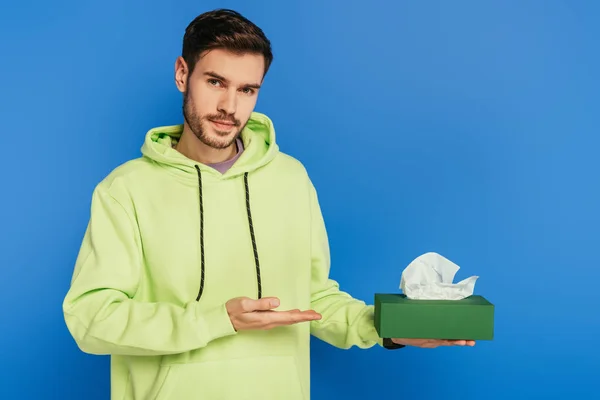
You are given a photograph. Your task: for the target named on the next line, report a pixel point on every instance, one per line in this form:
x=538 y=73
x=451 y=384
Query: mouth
x=224 y=126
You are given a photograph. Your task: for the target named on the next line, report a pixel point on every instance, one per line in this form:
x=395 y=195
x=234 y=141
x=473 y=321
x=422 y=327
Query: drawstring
x=201 y=234
x=250 y=225
x=258 y=280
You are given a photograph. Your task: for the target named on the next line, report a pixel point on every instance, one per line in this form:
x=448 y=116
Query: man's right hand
x=247 y=314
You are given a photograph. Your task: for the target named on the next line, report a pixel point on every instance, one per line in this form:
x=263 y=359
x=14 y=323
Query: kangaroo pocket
x=265 y=378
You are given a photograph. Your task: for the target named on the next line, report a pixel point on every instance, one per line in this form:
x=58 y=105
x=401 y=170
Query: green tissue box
x=397 y=316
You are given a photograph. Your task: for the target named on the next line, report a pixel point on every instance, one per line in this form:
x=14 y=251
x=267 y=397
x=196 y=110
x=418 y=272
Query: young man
x=205 y=265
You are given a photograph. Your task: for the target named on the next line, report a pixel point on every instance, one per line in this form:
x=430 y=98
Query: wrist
x=390 y=345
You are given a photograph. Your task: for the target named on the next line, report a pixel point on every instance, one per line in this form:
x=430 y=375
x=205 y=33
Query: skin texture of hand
x=249 y=314
x=431 y=343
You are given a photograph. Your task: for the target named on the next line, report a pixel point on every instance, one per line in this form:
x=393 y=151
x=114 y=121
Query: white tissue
x=430 y=276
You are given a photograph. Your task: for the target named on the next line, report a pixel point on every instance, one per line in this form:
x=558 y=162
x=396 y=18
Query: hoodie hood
x=258 y=137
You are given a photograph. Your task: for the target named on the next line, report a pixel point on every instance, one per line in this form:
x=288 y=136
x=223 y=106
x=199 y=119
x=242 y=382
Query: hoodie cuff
x=217 y=322
x=390 y=345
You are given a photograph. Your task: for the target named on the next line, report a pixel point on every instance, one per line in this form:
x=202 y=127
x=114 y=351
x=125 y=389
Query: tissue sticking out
x=430 y=276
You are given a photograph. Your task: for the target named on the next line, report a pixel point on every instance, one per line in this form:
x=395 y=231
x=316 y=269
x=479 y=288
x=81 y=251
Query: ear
x=181 y=74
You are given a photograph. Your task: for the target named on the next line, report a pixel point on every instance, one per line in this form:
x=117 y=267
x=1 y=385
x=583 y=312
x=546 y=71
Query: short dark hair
x=224 y=29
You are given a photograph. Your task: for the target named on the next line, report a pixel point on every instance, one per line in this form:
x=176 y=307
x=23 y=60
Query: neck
x=193 y=148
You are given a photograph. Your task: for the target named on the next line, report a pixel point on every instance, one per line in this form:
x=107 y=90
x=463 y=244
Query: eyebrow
x=222 y=78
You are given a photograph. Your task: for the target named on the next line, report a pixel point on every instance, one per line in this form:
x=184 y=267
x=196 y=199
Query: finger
x=264 y=304
x=451 y=342
x=469 y=343
x=290 y=317
x=432 y=344
x=416 y=342
x=271 y=317
x=274 y=311
x=295 y=310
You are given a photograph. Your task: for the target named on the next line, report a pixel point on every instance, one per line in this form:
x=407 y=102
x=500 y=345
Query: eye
x=248 y=91
x=214 y=82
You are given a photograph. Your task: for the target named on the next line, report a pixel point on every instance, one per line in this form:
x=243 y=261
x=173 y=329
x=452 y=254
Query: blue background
x=469 y=128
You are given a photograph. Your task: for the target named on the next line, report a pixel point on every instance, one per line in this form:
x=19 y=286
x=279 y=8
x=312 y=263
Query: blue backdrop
x=468 y=128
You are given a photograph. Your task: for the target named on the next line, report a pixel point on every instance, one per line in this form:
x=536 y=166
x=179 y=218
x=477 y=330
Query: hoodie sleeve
x=100 y=308
x=346 y=321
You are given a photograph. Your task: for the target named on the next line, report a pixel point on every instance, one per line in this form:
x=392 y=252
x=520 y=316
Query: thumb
x=264 y=304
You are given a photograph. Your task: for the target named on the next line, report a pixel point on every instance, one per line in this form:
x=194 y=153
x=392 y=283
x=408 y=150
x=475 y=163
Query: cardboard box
x=471 y=318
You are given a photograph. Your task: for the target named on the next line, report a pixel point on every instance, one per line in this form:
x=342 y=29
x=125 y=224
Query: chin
x=220 y=140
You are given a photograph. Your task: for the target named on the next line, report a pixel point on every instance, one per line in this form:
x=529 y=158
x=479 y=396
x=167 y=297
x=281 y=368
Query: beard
x=199 y=125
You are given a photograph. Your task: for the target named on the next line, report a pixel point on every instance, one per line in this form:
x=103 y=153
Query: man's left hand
x=431 y=343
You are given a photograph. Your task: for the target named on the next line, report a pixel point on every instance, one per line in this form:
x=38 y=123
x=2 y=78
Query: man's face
x=220 y=94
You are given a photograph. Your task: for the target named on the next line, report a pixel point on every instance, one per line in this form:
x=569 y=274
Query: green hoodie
x=170 y=241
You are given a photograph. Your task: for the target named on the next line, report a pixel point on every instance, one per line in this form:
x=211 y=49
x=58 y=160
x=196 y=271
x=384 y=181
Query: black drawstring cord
x=250 y=224
x=201 y=234
x=259 y=283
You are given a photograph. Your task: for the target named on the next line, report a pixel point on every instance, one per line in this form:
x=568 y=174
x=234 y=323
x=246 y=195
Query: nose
x=228 y=102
